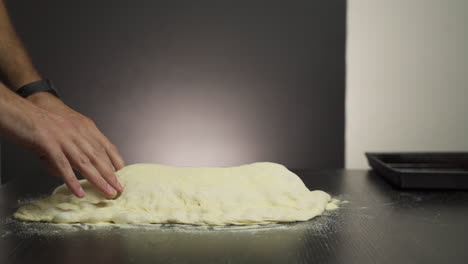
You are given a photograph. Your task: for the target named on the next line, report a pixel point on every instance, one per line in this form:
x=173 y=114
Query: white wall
x=407 y=77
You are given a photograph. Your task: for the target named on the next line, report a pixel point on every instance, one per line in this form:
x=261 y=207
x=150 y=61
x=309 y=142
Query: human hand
x=85 y=125
x=66 y=139
x=63 y=137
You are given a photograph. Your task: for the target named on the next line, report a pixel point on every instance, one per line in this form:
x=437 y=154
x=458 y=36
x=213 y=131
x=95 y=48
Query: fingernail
x=120 y=186
x=81 y=192
x=111 y=190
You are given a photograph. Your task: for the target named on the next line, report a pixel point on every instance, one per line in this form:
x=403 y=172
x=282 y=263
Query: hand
x=66 y=139
x=63 y=137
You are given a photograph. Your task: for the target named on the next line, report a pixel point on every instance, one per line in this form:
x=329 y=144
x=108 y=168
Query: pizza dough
x=250 y=194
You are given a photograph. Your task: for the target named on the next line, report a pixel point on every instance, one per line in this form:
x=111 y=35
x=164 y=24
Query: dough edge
x=41 y=210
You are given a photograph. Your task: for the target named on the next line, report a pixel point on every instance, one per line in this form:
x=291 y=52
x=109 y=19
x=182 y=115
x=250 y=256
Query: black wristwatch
x=37 y=86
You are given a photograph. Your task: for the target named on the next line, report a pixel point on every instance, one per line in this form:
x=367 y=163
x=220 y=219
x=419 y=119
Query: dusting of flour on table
x=256 y=193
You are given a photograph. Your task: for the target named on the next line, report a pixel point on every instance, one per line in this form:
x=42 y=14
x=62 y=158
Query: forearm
x=16 y=122
x=16 y=68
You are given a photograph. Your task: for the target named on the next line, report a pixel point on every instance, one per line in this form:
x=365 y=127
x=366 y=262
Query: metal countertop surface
x=376 y=224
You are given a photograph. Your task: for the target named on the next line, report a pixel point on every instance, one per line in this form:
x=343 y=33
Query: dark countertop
x=379 y=224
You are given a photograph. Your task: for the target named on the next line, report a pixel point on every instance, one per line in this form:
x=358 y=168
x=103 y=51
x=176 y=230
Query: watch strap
x=44 y=85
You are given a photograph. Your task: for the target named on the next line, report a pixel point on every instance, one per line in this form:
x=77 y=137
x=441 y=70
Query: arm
x=63 y=138
x=15 y=65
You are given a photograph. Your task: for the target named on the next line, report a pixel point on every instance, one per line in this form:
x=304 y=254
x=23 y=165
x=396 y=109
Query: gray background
x=196 y=83
x=407 y=77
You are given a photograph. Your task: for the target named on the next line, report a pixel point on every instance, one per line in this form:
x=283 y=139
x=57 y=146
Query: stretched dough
x=249 y=194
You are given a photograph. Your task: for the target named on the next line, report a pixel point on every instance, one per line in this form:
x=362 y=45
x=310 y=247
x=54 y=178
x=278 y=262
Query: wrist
x=23 y=79
x=18 y=119
x=42 y=97
x=50 y=103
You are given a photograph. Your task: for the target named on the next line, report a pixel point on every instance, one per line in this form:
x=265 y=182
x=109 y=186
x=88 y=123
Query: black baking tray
x=422 y=170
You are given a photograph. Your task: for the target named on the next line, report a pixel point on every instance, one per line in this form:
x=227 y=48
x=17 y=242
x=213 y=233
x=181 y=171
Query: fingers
x=88 y=166
x=80 y=145
x=112 y=152
x=102 y=163
x=58 y=165
x=73 y=141
x=110 y=149
x=115 y=157
x=100 y=160
x=102 y=153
